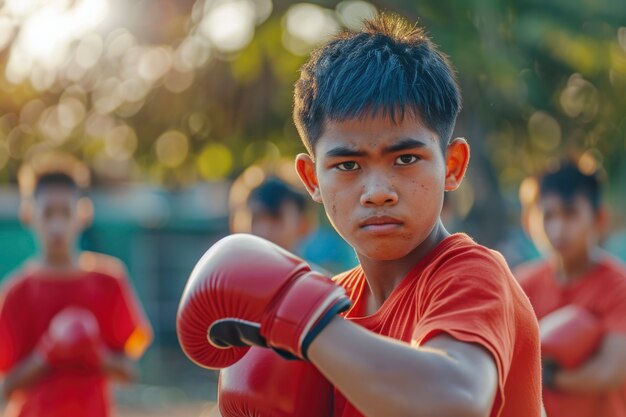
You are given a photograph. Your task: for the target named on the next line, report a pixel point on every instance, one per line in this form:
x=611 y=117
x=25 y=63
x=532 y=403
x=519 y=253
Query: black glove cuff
x=549 y=368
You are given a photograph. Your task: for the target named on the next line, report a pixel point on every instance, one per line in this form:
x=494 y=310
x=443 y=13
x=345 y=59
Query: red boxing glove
x=264 y=384
x=72 y=339
x=569 y=336
x=248 y=291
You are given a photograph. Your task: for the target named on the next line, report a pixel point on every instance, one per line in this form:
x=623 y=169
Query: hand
x=247 y=291
x=549 y=370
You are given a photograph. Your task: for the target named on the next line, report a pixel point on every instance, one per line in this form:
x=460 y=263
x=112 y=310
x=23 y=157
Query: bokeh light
x=352 y=13
x=215 y=161
x=172 y=148
x=229 y=25
x=47 y=31
x=306 y=25
x=544 y=131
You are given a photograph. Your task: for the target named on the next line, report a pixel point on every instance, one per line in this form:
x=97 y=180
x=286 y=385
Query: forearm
x=384 y=377
x=604 y=371
x=24 y=374
x=591 y=377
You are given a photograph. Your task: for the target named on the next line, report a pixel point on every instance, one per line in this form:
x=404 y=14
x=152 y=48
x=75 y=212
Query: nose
x=554 y=229
x=378 y=190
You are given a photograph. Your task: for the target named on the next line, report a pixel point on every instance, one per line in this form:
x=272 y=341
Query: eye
x=406 y=159
x=348 y=166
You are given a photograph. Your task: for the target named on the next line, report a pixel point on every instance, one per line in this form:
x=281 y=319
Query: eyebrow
x=404 y=145
x=401 y=145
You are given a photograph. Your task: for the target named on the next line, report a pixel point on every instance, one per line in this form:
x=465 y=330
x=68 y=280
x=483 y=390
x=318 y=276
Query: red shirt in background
x=602 y=292
x=29 y=301
x=467 y=291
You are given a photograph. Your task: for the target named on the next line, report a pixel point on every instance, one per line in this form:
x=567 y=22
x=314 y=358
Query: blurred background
x=169 y=103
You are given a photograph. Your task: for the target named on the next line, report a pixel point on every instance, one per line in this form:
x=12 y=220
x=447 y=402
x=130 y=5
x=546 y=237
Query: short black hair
x=52 y=169
x=568 y=181
x=389 y=66
x=272 y=193
x=55 y=179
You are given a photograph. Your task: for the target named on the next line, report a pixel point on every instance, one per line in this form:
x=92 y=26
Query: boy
x=437 y=323
x=276 y=212
x=567 y=218
x=69 y=320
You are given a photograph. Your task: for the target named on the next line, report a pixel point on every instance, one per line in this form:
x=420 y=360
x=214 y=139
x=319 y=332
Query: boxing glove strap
x=302 y=308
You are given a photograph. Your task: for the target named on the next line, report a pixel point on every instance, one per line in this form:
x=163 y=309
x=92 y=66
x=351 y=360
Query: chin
x=383 y=252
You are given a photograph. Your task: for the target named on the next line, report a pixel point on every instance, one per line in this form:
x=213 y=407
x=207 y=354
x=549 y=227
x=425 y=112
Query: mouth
x=380 y=223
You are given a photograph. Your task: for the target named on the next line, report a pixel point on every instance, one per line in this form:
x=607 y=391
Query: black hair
x=568 y=181
x=56 y=179
x=272 y=193
x=390 y=66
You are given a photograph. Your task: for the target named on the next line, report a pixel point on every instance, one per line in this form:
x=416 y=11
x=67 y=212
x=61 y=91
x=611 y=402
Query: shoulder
x=530 y=271
x=103 y=265
x=16 y=281
x=611 y=273
x=465 y=267
x=614 y=266
x=462 y=253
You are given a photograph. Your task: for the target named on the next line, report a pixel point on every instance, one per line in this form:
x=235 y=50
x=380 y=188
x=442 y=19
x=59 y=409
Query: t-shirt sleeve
x=614 y=307
x=469 y=298
x=130 y=330
x=11 y=343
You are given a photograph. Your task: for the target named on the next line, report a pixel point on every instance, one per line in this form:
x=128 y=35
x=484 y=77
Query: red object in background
x=569 y=336
x=73 y=340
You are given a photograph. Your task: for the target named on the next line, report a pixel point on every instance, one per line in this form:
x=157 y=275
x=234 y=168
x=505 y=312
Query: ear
x=85 y=211
x=305 y=167
x=457 y=158
x=26 y=210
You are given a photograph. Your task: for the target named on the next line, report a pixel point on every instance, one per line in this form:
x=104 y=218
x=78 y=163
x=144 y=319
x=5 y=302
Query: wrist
x=323 y=341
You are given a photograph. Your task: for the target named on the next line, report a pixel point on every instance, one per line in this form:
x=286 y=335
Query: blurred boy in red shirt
x=564 y=215
x=69 y=320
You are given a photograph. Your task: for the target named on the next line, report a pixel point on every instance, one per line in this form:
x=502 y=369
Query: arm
x=24 y=374
x=119 y=367
x=384 y=377
x=604 y=371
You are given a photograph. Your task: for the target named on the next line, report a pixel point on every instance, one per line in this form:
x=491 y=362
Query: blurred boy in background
x=69 y=320
x=277 y=212
x=264 y=204
x=564 y=216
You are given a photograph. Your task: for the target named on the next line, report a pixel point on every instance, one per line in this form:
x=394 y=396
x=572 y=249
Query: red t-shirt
x=467 y=291
x=29 y=301
x=602 y=292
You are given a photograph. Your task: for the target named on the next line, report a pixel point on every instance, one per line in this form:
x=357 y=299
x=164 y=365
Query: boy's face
x=56 y=220
x=381 y=183
x=285 y=229
x=571 y=227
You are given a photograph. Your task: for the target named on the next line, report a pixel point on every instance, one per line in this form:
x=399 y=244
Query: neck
x=59 y=261
x=569 y=270
x=384 y=276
